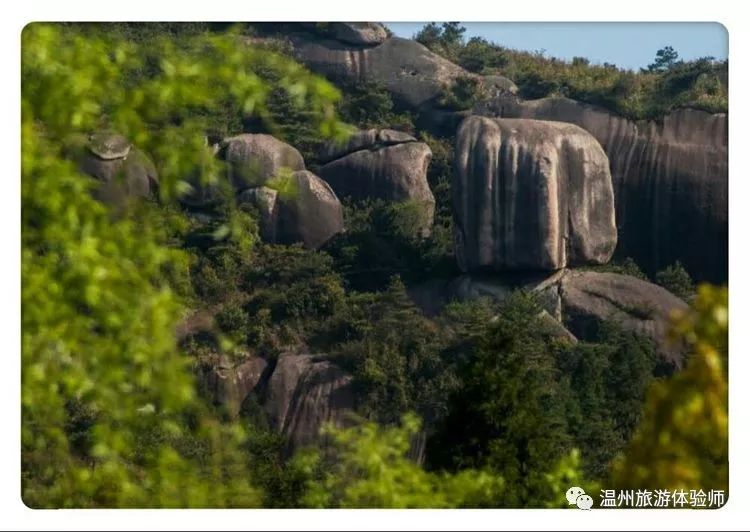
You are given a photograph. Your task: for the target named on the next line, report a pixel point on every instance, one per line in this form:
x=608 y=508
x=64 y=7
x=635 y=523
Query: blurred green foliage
x=682 y=441
x=110 y=417
x=370 y=468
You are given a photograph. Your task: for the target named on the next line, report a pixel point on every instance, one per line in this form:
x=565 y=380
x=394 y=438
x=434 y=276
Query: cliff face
x=530 y=195
x=670 y=181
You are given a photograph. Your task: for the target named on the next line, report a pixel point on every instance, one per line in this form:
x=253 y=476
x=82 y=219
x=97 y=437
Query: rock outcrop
x=308 y=212
x=670 y=177
x=575 y=302
x=358 y=33
x=415 y=76
x=303 y=394
x=227 y=382
x=364 y=139
x=311 y=214
x=264 y=200
x=670 y=181
x=252 y=159
x=432 y=295
x=645 y=308
x=496 y=86
x=298 y=394
x=530 y=195
x=123 y=170
x=384 y=164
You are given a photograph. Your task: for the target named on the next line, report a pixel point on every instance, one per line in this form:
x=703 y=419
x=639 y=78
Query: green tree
x=463 y=93
x=429 y=35
x=665 y=59
x=446 y=39
x=607 y=381
x=453 y=33
x=478 y=55
x=109 y=413
x=385 y=239
x=369 y=105
x=395 y=357
x=508 y=414
x=677 y=280
x=625 y=267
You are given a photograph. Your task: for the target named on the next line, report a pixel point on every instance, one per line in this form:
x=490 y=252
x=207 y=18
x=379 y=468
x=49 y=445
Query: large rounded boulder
x=530 y=195
x=589 y=298
x=386 y=165
x=306 y=211
x=254 y=158
x=311 y=213
x=496 y=86
x=264 y=200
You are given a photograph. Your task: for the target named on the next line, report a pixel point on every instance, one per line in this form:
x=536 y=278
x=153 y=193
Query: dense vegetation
x=513 y=414
x=666 y=84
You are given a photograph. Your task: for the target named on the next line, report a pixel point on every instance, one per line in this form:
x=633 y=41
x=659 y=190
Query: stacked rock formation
x=306 y=210
x=381 y=164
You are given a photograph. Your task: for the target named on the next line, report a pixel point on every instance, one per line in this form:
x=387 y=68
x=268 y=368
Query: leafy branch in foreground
x=98 y=313
x=370 y=468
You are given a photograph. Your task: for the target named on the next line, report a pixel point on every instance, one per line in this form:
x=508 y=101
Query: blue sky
x=626 y=44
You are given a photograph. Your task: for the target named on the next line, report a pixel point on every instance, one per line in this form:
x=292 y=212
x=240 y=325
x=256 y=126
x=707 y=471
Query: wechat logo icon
x=577 y=496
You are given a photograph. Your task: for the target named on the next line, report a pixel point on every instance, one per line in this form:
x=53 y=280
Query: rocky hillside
x=663 y=172
x=537 y=197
